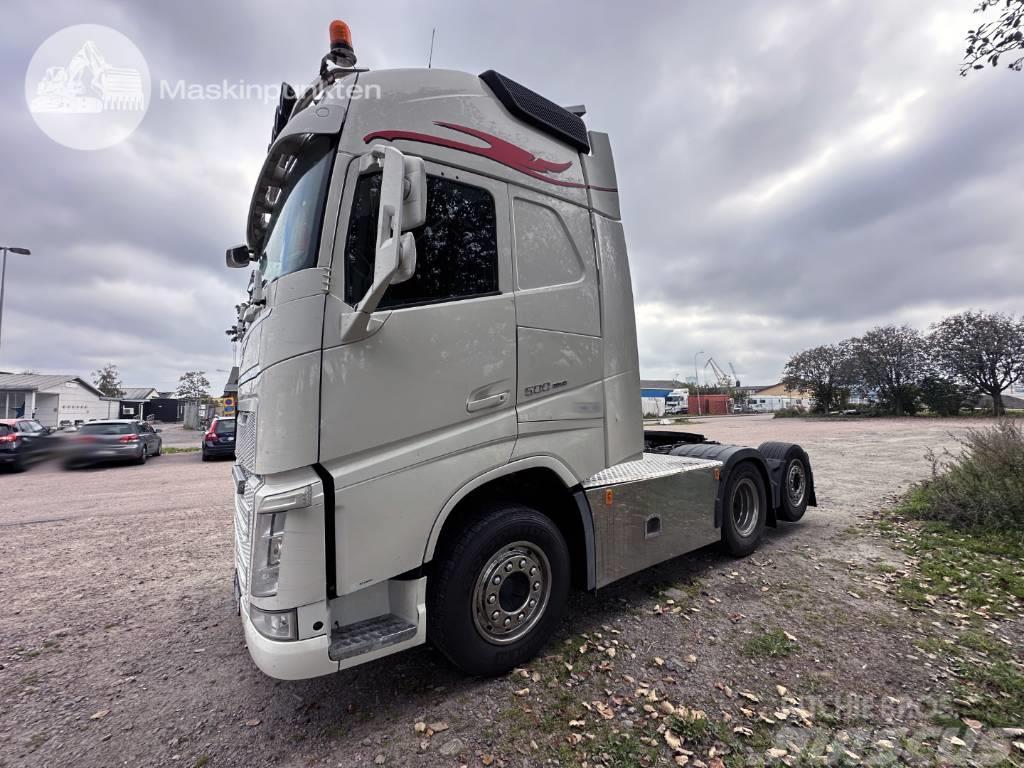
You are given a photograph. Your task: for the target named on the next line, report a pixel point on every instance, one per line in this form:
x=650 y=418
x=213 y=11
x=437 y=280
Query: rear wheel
x=744 y=510
x=143 y=456
x=499 y=590
x=794 y=478
x=795 y=492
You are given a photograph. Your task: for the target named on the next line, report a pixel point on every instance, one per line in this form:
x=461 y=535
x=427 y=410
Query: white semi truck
x=439 y=426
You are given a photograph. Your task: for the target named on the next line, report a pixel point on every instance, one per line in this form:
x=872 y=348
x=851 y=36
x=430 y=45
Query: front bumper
x=287 y=660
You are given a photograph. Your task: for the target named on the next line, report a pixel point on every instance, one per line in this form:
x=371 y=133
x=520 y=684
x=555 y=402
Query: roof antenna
x=430 y=59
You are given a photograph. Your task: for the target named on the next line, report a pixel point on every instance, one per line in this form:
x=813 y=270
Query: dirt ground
x=120 y=645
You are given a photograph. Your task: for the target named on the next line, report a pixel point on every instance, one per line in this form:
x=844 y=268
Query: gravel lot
x=120 y=646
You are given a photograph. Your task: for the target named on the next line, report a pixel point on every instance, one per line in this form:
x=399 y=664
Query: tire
x=744 y=510
x=19 y=464
x=525 y=551
x=205 y=457
x=143 y=456
x=159 y=449
x=794 y=479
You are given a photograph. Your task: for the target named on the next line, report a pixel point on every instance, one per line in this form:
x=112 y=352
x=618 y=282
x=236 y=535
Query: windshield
x=106 y=429
x=294 y=231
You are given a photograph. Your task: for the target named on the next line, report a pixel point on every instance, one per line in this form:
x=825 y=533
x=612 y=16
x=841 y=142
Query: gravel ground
x=120 y=646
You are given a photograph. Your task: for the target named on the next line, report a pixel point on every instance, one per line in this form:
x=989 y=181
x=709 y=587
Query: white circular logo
x=87 y=87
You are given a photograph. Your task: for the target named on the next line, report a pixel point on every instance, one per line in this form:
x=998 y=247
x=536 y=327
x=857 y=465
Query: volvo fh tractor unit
x=439 y=420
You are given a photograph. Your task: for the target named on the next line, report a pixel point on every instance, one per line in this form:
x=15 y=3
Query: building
x=133 y=401
x=776 y=397
x=657 y=394
x=53 y=399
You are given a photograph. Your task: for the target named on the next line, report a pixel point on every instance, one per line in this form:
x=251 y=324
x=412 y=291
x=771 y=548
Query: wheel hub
x=511 y=592
x=745 y=507
x=796 y=483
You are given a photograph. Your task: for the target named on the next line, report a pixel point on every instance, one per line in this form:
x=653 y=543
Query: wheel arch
x=542 y=482
x=775 y=455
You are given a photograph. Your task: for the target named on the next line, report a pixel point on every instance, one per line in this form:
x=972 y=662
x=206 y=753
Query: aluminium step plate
x=369 y=635
x=652 y=465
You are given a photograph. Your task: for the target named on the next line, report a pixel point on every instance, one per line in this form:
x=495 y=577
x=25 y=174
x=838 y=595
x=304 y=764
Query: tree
x=983 y=350
x=826 y=372
x=944 y=396
x=194 y=386
x=889 y=361
x=108 y=380
x=994 y=38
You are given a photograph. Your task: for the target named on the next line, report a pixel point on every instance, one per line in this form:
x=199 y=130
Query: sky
x=791 y=173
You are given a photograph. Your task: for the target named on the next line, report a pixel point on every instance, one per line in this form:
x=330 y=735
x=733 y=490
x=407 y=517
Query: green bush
x=982 y=487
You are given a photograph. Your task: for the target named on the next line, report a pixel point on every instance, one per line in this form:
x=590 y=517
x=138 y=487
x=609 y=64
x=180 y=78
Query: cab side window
x=456 y=248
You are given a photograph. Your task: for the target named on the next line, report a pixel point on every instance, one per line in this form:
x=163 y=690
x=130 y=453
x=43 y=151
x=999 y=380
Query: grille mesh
x=245 y=441
x=243 y=539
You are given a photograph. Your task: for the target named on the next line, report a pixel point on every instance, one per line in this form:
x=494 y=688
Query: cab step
x=369 y=635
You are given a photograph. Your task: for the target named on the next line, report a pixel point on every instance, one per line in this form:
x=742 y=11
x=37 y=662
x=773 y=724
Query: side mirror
x=403 y=206
x=238 y=257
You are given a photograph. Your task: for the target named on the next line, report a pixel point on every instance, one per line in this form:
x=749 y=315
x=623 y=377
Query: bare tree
x=826 y=372
x=992 y=39
x=889 y=361
x=983 y=350
x=108 y=380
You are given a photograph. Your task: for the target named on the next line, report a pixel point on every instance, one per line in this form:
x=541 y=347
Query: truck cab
x=439 y=380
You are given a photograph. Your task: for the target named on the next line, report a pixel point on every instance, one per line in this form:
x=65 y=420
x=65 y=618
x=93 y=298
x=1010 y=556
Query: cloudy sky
x=791 y=173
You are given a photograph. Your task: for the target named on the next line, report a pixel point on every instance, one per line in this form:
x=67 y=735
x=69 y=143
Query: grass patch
x=978 y=569
x=690 y=729
x=174 y=449
x=770 y=643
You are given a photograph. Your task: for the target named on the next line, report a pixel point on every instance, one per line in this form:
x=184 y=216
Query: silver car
x=112 y=440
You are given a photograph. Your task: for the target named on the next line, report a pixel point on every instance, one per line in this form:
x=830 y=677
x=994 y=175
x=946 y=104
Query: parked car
x=23 y=442
x=219 y=439
x=112 y=440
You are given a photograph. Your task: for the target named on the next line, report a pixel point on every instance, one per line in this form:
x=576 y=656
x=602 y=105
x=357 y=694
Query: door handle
x=491 y=401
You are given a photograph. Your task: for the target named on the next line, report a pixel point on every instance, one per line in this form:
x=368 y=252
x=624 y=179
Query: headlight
x=266 y=553
x=268 y=538
x=277 y=625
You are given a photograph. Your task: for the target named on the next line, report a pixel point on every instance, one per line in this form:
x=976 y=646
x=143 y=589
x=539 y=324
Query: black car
x=22 y=442
x=219 y=439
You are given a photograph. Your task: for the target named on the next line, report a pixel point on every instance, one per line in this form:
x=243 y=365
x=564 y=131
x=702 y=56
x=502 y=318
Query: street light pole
x=3 y=278
x=696 y=380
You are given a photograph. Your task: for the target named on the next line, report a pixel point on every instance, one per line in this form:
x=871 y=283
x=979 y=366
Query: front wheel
x=499 y=590
x=744 y=510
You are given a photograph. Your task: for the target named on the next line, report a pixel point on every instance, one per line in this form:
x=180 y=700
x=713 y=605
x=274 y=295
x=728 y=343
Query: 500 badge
x=540 y=389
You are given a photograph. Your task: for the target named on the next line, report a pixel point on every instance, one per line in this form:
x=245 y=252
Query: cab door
x=426 y=402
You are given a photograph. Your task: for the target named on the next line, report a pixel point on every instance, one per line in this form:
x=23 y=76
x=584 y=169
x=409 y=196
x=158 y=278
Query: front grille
x=245 y=441
x=243 y=530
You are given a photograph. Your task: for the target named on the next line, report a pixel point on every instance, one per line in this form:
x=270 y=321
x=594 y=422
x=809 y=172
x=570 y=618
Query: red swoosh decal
x=498 y=150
